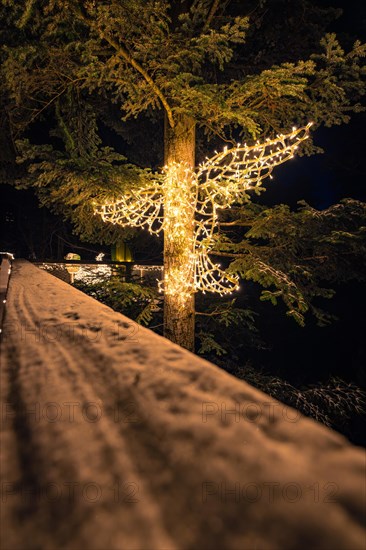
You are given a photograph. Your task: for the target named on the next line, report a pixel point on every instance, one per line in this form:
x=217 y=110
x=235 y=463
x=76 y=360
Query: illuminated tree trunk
x=179 y=307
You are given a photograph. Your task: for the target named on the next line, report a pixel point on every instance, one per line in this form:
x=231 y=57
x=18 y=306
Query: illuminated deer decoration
x=215 y=185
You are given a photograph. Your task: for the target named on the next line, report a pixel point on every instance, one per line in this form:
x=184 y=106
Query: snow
x=114 y=438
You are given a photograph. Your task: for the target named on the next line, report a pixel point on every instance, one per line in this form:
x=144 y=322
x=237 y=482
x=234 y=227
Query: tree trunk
x=179 y=308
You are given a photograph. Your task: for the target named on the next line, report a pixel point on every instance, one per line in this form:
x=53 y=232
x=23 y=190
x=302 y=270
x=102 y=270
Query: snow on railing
x=5 y=271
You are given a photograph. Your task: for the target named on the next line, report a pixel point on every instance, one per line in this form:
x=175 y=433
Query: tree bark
x=179 y=303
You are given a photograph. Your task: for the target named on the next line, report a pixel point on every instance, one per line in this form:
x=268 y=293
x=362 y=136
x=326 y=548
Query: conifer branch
x=26 y=14
x=237 y=223
x=122 y=52
x=211 y=14
x=227 y=254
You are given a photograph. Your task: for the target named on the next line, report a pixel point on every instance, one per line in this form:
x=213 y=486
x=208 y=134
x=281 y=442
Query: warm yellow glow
x=217 y=183
x=179 y=192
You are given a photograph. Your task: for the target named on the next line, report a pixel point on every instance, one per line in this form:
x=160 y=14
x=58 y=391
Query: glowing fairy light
x=216 y=184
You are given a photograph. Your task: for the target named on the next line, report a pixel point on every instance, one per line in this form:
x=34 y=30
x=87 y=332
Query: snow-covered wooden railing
x=5 y=270
x=113 y=437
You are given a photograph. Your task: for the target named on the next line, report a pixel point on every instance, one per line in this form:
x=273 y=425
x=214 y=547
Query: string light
x=187 y=195
x=137 y=267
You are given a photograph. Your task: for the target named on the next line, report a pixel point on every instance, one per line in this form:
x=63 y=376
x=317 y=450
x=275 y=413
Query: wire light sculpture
x=215 y=185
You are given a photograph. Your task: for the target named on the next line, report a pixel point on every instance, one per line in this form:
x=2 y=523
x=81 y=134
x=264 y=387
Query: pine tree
x=208 y=69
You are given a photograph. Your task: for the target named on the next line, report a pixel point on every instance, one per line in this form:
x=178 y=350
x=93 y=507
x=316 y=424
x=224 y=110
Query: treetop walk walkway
x=114 y=438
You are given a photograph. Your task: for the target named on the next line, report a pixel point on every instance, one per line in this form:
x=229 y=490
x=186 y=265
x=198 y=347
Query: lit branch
x=217 y=184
